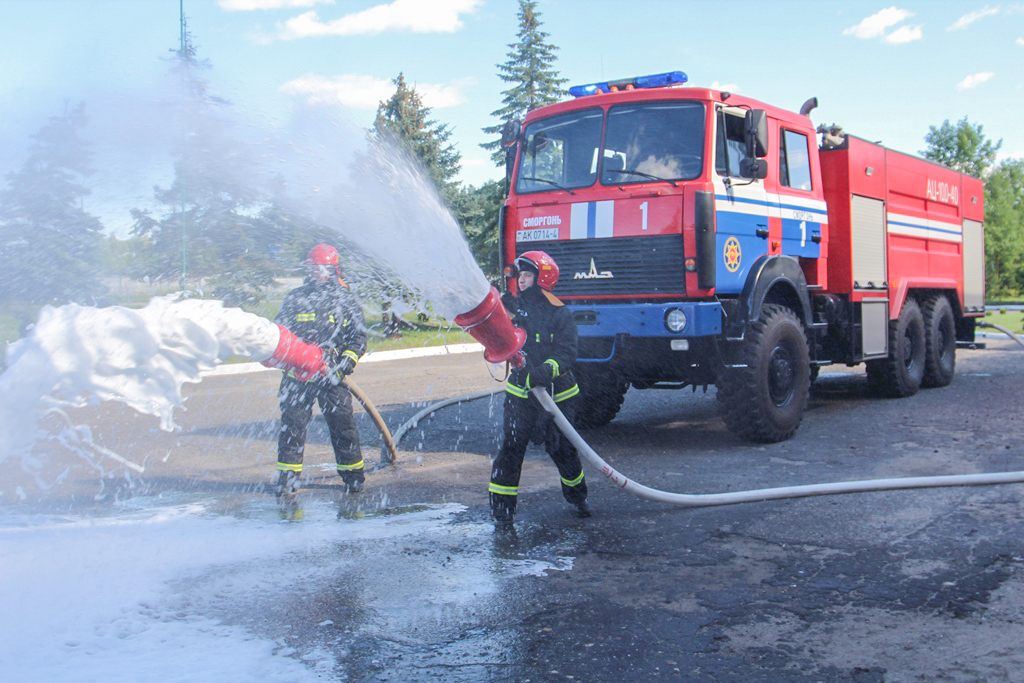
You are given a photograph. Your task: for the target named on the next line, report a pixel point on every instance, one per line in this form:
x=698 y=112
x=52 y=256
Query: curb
x=372 y=357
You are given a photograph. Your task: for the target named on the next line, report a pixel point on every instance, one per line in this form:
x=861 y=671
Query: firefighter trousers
x=335 y=401
x=524 y=419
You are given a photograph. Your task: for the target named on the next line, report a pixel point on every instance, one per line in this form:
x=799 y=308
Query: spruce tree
x=211 y=231
x=404 y=119
x=535 y=82
x=49 y=244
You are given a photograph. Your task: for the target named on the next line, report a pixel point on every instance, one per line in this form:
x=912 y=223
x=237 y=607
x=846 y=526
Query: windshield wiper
x=549 y=182
x=642 y=174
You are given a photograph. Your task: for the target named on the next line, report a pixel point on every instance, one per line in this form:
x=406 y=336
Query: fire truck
x=707 y=238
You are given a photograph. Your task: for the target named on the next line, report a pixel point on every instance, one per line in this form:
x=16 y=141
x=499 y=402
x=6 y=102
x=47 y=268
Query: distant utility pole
x=183 y=58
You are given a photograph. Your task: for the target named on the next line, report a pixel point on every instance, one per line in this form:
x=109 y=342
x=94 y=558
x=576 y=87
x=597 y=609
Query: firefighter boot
x=353 y=479
x=582 y=509
x=503 y=510
x=287 y=484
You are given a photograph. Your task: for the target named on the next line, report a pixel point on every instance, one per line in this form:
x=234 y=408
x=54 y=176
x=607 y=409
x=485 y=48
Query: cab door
x=800 y=209
x=741 y=205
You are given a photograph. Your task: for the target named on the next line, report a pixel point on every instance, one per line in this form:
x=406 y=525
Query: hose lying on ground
x=389 y=441
x=1012 y=336
x=733 y=497
x=429 y=410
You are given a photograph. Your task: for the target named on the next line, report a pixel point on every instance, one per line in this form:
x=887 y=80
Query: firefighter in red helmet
x=550 y=352
x=322 y=311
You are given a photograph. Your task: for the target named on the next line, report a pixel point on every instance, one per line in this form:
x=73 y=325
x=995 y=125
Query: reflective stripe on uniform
x=517 y=391
x=289 y=467
x=350 y=468
x=305 y=317
x=350 y=354
x=503 y=490
x=555 y=372
x=573 y=482
x=568 y=393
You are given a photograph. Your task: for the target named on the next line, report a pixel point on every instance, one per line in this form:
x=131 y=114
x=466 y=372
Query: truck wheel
x=602 y=391
x=765 y=401
x=939 y=342
x=900 y=374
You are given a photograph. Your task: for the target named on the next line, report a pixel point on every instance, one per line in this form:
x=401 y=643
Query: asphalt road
x=920 y=585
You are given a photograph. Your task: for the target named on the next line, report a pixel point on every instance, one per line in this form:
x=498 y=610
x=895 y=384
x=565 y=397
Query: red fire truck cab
x=707 y=238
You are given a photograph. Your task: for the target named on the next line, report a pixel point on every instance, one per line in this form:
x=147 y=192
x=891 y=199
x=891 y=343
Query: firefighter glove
x=541 y=375
x=346 y=365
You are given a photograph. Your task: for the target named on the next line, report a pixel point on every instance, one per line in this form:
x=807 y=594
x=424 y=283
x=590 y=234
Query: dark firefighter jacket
x=327 y=315
x=550 y=340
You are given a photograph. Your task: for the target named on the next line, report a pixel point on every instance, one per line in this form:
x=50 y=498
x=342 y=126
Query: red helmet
x=322 y=262
x=542 y=264
x=322 y=255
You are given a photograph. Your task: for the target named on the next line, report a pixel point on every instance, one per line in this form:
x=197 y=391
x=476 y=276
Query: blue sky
x=883 y=71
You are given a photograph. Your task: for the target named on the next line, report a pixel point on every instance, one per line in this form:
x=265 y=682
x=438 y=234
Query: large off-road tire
x=765 y=401
x=939 y=341
x=602 y=391
x=900 y=374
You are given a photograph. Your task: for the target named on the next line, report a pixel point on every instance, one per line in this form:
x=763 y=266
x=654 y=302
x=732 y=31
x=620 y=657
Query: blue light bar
x=653 y=81
x=589 y=89
x=660 y=80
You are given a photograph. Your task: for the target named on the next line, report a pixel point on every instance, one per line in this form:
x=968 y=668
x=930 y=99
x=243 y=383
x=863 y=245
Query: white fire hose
x=708 y=499
x=733 y=497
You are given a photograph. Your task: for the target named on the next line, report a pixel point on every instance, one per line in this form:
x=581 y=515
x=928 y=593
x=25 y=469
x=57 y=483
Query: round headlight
x=675 y=320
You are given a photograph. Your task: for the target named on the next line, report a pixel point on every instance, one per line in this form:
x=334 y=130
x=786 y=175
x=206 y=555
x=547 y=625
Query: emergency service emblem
x=732 y=254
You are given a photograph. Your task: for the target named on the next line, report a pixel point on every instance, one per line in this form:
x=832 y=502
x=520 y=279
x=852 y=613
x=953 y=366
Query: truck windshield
x=653 y=141
x=560 y=152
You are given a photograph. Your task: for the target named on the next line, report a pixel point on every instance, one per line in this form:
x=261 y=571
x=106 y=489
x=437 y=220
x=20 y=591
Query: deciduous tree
x=1004 y=229
x=963 y=147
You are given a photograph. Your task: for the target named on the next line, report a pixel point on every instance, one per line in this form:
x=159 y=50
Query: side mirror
x=755 y=132
x=754 y=168
x=510 y=133
x=510 y=162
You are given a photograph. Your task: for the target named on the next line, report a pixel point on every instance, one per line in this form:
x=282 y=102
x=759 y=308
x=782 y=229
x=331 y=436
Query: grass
x=1011 y=320
x=411 y=339
x=437 y=335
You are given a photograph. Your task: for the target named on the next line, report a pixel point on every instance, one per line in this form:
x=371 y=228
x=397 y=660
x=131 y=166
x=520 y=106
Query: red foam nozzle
x=490 y=325
x=303 y=359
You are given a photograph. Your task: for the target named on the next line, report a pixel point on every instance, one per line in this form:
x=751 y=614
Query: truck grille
x=616 y=266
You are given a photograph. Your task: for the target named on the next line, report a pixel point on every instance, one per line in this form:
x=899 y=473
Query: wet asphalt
x=913 y=585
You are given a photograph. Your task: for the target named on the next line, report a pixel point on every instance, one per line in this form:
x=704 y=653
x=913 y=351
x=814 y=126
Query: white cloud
x=359 y=91
x=418 y=16
x=247 y=5
x=974 y=80
x=876 y=25
x=444 y=95
x=971 y=17
x=1020 y=41
x=904 y=34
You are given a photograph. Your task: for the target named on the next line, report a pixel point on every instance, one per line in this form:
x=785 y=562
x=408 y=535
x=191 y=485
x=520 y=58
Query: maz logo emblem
x=593 y=273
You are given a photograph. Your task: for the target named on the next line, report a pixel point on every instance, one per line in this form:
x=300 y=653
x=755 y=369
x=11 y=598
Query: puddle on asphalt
x=341 y=590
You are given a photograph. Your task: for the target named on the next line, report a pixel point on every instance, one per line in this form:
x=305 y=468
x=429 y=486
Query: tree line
x=238 y=240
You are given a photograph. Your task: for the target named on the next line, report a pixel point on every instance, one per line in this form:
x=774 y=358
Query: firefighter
x=550 y=352
x=322 y=311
